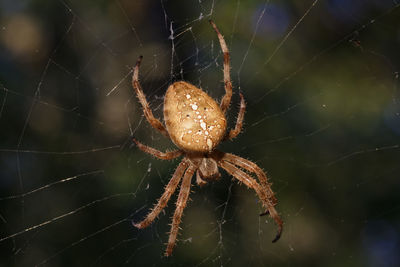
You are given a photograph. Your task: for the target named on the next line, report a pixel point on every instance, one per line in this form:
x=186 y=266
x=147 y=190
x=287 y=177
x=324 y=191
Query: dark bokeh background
x=323 y=120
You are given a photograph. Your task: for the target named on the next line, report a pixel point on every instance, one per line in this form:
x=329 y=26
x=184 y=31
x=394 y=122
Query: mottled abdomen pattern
x=194 y=120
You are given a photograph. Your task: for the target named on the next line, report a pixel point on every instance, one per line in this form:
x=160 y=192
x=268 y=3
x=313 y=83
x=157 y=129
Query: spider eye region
x=193 y=119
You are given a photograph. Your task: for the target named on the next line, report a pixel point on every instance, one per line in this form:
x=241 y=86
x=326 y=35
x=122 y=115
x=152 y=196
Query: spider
x=196 y=124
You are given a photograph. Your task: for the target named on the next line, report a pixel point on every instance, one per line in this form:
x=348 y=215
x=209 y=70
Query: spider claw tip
x=137 y=225
x=264 y=213
x=134 y=140
x=139 y=60
x=168 y=252
x=278 y=235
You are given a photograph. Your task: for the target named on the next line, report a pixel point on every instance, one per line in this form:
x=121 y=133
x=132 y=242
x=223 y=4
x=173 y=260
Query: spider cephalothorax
x=197 y=124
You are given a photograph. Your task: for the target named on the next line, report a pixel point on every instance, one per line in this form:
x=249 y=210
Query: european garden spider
x=196 y=124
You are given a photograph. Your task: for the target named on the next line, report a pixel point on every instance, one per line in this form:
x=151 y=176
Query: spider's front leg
x=253 y=168
x=180 y=206
x=163 y=201
x=269 y=201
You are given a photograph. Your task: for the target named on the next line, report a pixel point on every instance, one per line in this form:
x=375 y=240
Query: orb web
x=320 y=79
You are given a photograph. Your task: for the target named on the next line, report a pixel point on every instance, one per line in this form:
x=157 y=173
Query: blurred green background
x=323 y=119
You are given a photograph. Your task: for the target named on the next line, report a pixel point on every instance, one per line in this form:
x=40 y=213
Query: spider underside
x=197 y=128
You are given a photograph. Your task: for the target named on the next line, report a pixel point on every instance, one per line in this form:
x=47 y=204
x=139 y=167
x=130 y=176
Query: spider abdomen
x=193 y=119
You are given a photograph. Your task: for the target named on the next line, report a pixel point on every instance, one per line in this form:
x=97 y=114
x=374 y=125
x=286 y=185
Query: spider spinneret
x=196 y=124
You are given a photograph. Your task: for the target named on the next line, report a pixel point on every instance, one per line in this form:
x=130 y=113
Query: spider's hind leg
x=226 y=100
x=154 y=122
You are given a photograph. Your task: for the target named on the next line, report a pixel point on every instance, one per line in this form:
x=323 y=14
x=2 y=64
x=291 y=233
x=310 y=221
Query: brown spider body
x=196 y=124
x=194 y=120
x=207 y=168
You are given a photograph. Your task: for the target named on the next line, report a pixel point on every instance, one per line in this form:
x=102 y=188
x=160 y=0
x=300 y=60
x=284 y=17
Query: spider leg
x=226 y=100
x=156 y=153
x=239 y=122
x=252 y=167
x=155 y=123
x=162 y=202
x=251 y=183
x=180 y=206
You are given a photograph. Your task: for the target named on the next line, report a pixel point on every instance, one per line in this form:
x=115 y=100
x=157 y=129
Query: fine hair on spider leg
x=180 y=206
x=163 y=201
x=226 y=100
x=196 y=124
x=268 y=202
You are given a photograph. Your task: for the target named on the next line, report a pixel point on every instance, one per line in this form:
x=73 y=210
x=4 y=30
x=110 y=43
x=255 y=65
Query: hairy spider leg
x=226 y=99
x=239 y=121
x=234 y=165
x=154 y=122
x=253 y=168
x=251 y=183
x=157 y=153
x=180 y=206
x=163 y=201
